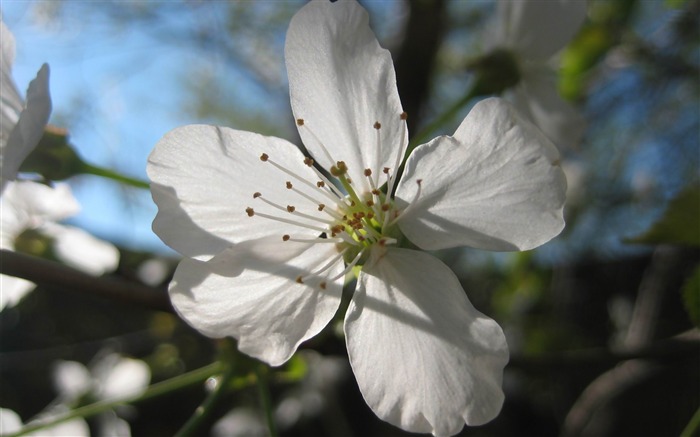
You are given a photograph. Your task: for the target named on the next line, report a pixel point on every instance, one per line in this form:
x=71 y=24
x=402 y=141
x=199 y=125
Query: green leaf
x=691 y=297
x=680 y=224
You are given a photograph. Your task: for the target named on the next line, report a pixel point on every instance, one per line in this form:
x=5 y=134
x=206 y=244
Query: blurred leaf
x=680 y=223
x=691 y=297
x=600 y=34
x=676 y=4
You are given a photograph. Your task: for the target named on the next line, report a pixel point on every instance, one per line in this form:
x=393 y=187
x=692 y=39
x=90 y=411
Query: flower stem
x=154 y=390
x=692 y=426
x=265 y=401
x=203 y=412
x=111 y=174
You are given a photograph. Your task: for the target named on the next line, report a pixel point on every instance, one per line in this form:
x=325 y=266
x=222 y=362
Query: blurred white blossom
x=10 y=422
x=111 y=377
x=534 y=31
x=26 y=205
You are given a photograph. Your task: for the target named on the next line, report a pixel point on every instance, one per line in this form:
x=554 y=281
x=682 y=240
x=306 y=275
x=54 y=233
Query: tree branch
x=56 y=276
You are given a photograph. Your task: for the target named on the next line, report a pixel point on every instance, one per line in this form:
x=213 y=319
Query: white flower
x=111 y=377
x=11 y=423
x=268 y=238
x=28 y=205
x=21 y=126
x=534 y=31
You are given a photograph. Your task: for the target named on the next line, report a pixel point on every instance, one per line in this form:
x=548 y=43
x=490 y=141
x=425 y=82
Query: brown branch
x=612 y=383
x=415 y=61
x=56 y=276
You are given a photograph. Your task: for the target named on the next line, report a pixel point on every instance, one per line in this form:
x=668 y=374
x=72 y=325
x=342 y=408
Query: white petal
x=120 y=377
x=537 y=29
x=10 y=101
x=250 y=292
x=77 y=248
x=71 y=379
x=424 y=358
x=496 y=185
x=30 y=127
x=537 y=96
x=341 y=82
x=12 y=290
x=204 y=178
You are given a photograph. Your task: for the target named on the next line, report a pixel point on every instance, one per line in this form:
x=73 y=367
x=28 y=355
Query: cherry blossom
x=534 y=32
x=269 y=234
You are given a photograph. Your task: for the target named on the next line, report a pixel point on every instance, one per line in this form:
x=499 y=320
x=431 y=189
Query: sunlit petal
x=496 y=184
x=341 y=83
x=253 y=292
x=204 y=178
x=424 y=358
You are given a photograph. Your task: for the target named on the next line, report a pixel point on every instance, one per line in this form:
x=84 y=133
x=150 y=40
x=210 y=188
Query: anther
x=299 y=280
x=257 y=194
x=300 y=121
x=321 y=206
x=386 y=170
x=322 y=285
x=264 y=157
x=377 y=125
x=368 y=172
x=385 y=207
x=285 y=237
x=308 y=161
x=250 y=212
x=290 y=208
x=320 y=184
x=404 y=115
x=370 y=203
x=289 y=185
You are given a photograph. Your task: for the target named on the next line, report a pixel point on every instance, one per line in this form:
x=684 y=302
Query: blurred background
x=600 y=321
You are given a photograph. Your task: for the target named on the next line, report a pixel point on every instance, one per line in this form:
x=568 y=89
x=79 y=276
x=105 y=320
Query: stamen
x=294 y=175
x=410 y=206
x=348 y=268
x=324 y=182
x=315 y=138
x=314 y=240
x=327 y=266
x=399 y=155
x=284 y=220
x=321 y=206
x=310 y=217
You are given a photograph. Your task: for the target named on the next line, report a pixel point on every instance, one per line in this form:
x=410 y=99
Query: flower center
x=358 y=223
